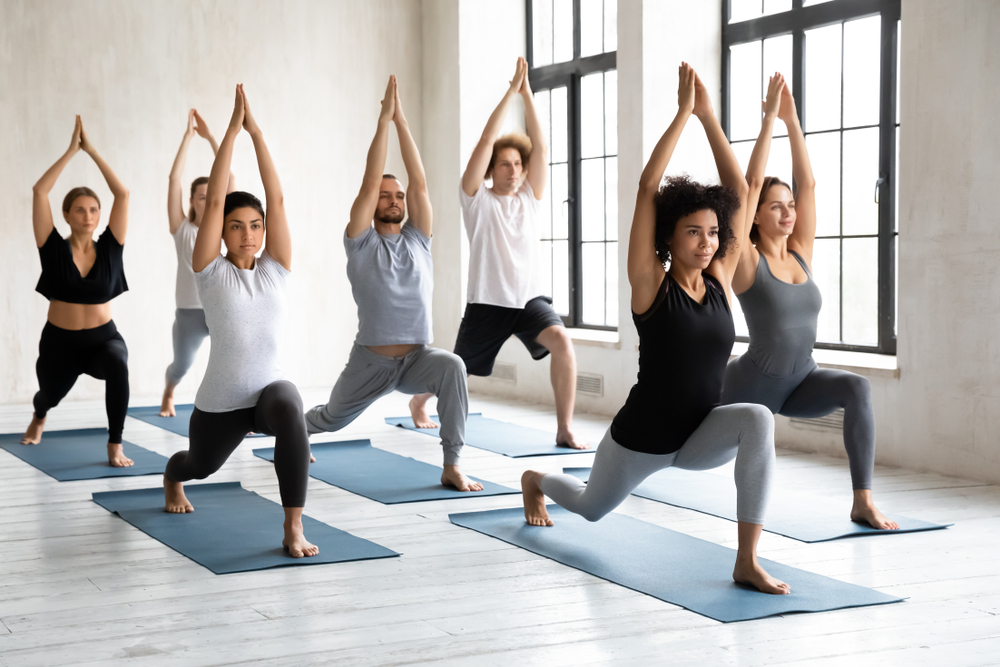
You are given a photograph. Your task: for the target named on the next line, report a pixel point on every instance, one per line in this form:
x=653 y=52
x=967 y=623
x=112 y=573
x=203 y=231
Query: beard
x=391 y=217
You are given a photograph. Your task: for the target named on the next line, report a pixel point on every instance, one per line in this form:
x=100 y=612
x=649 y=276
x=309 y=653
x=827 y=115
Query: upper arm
x=645 y=271
x=475 y=171
x=41 y=217
x=538 y=169
x=803 y=237
x=418 y=203
x=118 y=219
x=175 y=204
x=363 y=210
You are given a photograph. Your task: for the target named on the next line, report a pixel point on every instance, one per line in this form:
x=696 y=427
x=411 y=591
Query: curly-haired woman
x=672 y=416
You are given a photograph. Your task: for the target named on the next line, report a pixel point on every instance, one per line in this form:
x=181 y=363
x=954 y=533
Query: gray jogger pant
x=743 y=431
x=189 y=332
x=368 y=376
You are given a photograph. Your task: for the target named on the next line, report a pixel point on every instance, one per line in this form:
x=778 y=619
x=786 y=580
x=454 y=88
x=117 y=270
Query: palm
x=786 y=110
x=702 y=103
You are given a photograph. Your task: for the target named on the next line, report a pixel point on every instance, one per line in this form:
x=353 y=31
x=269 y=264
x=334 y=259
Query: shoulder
x=361 y=240
x=528 y=192
x=270 y=265
x=466 y=200
x=107 y=240
x=411 y=232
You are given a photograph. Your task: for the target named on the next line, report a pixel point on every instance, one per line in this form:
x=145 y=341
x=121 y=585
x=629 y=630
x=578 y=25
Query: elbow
x=648 y=188
x=122 y=195
x=805 y=183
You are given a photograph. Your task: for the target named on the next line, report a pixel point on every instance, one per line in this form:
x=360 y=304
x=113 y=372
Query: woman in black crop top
x=672 y=416
x=79 y=278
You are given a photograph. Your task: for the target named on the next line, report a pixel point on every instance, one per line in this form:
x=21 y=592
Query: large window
x=572 y=48
x=841 y=59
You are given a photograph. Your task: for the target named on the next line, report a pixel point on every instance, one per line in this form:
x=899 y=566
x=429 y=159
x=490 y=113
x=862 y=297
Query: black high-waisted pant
x=214 y=436
x=65 y=355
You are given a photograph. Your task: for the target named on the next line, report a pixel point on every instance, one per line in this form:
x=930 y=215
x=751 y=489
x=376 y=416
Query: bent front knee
x=594 y=514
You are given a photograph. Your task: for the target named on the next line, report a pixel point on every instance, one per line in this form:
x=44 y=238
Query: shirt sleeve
x=50 y=249
x=359 y=241
x=529 y=195
x=411 y=231
x=470 y=205
x=271 y=265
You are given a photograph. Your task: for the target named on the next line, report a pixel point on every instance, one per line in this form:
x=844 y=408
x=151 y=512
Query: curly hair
x=513 y=140
x=75 y=193
x=769 y=182
x=678 y=197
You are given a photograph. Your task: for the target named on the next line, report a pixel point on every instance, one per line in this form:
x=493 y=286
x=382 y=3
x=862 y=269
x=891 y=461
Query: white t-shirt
x=187 y=287
x=504 y=246
x=245 y=313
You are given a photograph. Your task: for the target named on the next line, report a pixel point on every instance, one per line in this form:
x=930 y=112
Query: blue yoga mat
x=497 y=436
x=81 y=454
x=356 y=466
x=668 y=565
x=232 y=529
x=716 y=495
x=179 y=424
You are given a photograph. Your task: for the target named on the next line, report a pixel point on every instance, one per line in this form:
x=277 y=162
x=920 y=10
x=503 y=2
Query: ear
x=65 y=216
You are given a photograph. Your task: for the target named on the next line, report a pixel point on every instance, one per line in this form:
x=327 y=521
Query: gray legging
x=808 y=393
x=744 y=432
x=189 y=332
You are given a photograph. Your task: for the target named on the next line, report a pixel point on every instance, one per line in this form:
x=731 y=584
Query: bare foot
x=418 y=411
x=176 y=501
x=312 y=459
x=565 y=438
x=33 y=435
x=116 y=456
x=864 y=511
x=534 y=500
x=167 y=404
x=295 y=541
x=452 y=476
x=750 y=572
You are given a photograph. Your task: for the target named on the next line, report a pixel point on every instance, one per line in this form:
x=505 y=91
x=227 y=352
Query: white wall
x=314 y=74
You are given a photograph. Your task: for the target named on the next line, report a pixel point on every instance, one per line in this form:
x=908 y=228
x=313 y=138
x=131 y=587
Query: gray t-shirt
x=392 y=278
x=245 y=312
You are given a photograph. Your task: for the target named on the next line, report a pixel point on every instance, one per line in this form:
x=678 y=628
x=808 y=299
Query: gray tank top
x=782 y=320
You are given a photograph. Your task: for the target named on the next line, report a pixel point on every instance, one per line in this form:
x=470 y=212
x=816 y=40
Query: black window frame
x=569 y=74
x=795 y=22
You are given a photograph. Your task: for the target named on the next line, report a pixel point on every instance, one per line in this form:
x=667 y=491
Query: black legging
x=214 y=436
x=65 y=355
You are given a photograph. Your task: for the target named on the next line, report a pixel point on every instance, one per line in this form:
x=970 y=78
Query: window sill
x=862 y=363
x=595 y=338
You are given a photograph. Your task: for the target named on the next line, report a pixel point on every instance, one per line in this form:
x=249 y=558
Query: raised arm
x=41 y=209
x=363 y=209
x=118 y=219
x=479 y=162
x=175 y=189
x=645 y=272
x=201 y=127
x=731 y=176
x=538 y=163
x=279 y=236
x=418 y=200
x=803 y=235
x=206 y=246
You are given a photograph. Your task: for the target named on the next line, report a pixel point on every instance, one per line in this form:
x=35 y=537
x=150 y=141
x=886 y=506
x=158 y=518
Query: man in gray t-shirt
x=392 y=278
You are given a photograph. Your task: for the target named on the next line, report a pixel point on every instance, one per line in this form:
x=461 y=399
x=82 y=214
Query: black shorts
x=485 y=328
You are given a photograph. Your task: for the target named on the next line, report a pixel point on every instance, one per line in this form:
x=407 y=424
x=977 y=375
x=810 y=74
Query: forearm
x=760 y=154
x=497 y=118
x=801 y=166
x=375 y=163
x=533 y=125
x=213 y=143
x=117 y=188
x=49 y=178
x=268 y=174
x=653 y=172
x=725 y=160
x=177 y=170
x=415 y=175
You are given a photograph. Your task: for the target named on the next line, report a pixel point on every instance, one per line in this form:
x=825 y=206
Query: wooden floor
x=82 y=587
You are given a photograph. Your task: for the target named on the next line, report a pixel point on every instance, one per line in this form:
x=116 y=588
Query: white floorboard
x=82 y=587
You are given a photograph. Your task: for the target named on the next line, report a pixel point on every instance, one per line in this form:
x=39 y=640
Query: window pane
x=611 y=112
x=592 y=115
x=562 y=41
x=742 y=150
x=826 y=271
x=559 y=131
x=611 y=199
x=742 y=10
x=860 y=176
x=824 y=155
x=559 y=189
x=861 y=291
x=545 y=213
x=862 y=41
x=592 y=199
x=560 y=277
x=777 y=58
x=779 y=160
x=777 y=6
x=591 y=27
x=541 y=33
x=543 y=105
x=611 y=30
x=593 y=283
x=611 y=291
x=814 y=2
x=744 y=104
x=822 y=104
x=545 y=268
x=739 y=319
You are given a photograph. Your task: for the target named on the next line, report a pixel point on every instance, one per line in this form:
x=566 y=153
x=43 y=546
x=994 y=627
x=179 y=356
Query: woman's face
x=243 y=232
x=695 y=240
x=198 y=202
x=775 y=216
x=84 y=214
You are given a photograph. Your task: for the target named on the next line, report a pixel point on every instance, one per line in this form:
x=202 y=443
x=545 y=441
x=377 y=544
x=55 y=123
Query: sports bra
x=61 y=279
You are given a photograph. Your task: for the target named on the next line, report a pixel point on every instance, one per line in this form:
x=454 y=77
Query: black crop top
x=684 y=347
x=61 y=280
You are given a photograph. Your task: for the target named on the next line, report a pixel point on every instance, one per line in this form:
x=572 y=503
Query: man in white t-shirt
x=504 y=294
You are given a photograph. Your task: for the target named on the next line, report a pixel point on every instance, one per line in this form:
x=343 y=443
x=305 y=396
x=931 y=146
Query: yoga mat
x=792 y=517
x=497 y=436
x=356 y=466
x=668 y=565
x=179 y=424
x=232 y=529
x=81 y=454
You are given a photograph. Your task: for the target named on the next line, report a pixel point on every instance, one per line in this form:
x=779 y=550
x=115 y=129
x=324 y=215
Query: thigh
x=483 y=332
x=279 y=404
x=360 y=384
x=214 y=436
x=429 y=368
x=108 y=359
x=536 y=316
x=57 y=373
x=617 y=471
x=820 y=393
x=716 y=441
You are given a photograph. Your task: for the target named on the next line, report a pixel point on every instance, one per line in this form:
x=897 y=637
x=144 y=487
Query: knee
x=558 y=342
x=759 y=419
x=857 y=388
x=453 y=366
x=594 y=514
x=116 y=361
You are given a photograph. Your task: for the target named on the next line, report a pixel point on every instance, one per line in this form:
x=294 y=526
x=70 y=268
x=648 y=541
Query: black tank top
x=61 y=280
x=684 y=347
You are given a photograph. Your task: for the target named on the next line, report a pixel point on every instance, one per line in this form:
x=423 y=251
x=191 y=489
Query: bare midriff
x=393 y=350
x=78 y=316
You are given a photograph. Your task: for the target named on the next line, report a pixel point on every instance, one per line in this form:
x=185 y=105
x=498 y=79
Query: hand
x=525 y=89
x=74 y=144
x=200 y=126
x=774 y=95
x=389 y=101
x=85 y=144
x=685 y=88
x=520 y=74
x=786 y=110
x=189 y=132
x=702 y=102
x=397 y=115
x=249 y=123
x=236 y=122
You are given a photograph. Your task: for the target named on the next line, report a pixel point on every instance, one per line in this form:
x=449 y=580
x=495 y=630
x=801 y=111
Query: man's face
x=391 y=207
x=507 y=170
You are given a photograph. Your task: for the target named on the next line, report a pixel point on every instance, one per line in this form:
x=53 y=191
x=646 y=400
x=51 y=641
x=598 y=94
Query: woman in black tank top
x=672 y=416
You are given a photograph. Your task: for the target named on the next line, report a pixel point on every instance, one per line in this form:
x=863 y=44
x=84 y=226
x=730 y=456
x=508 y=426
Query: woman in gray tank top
x=781 y=302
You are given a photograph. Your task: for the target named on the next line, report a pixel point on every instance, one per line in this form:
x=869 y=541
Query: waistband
x=97 y=334
x=370 y=357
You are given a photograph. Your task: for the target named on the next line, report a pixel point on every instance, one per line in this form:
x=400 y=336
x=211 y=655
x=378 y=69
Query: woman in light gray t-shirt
x=243 y=297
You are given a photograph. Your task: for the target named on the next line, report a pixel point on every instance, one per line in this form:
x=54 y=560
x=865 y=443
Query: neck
x=241 y=262
x=503 y=193
x=82 y=240
x=688 y=277
x=773 y=246
x=387 y=228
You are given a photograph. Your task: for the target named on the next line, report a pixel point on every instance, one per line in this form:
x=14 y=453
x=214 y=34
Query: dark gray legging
x=813 y=392
x=214 y=436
